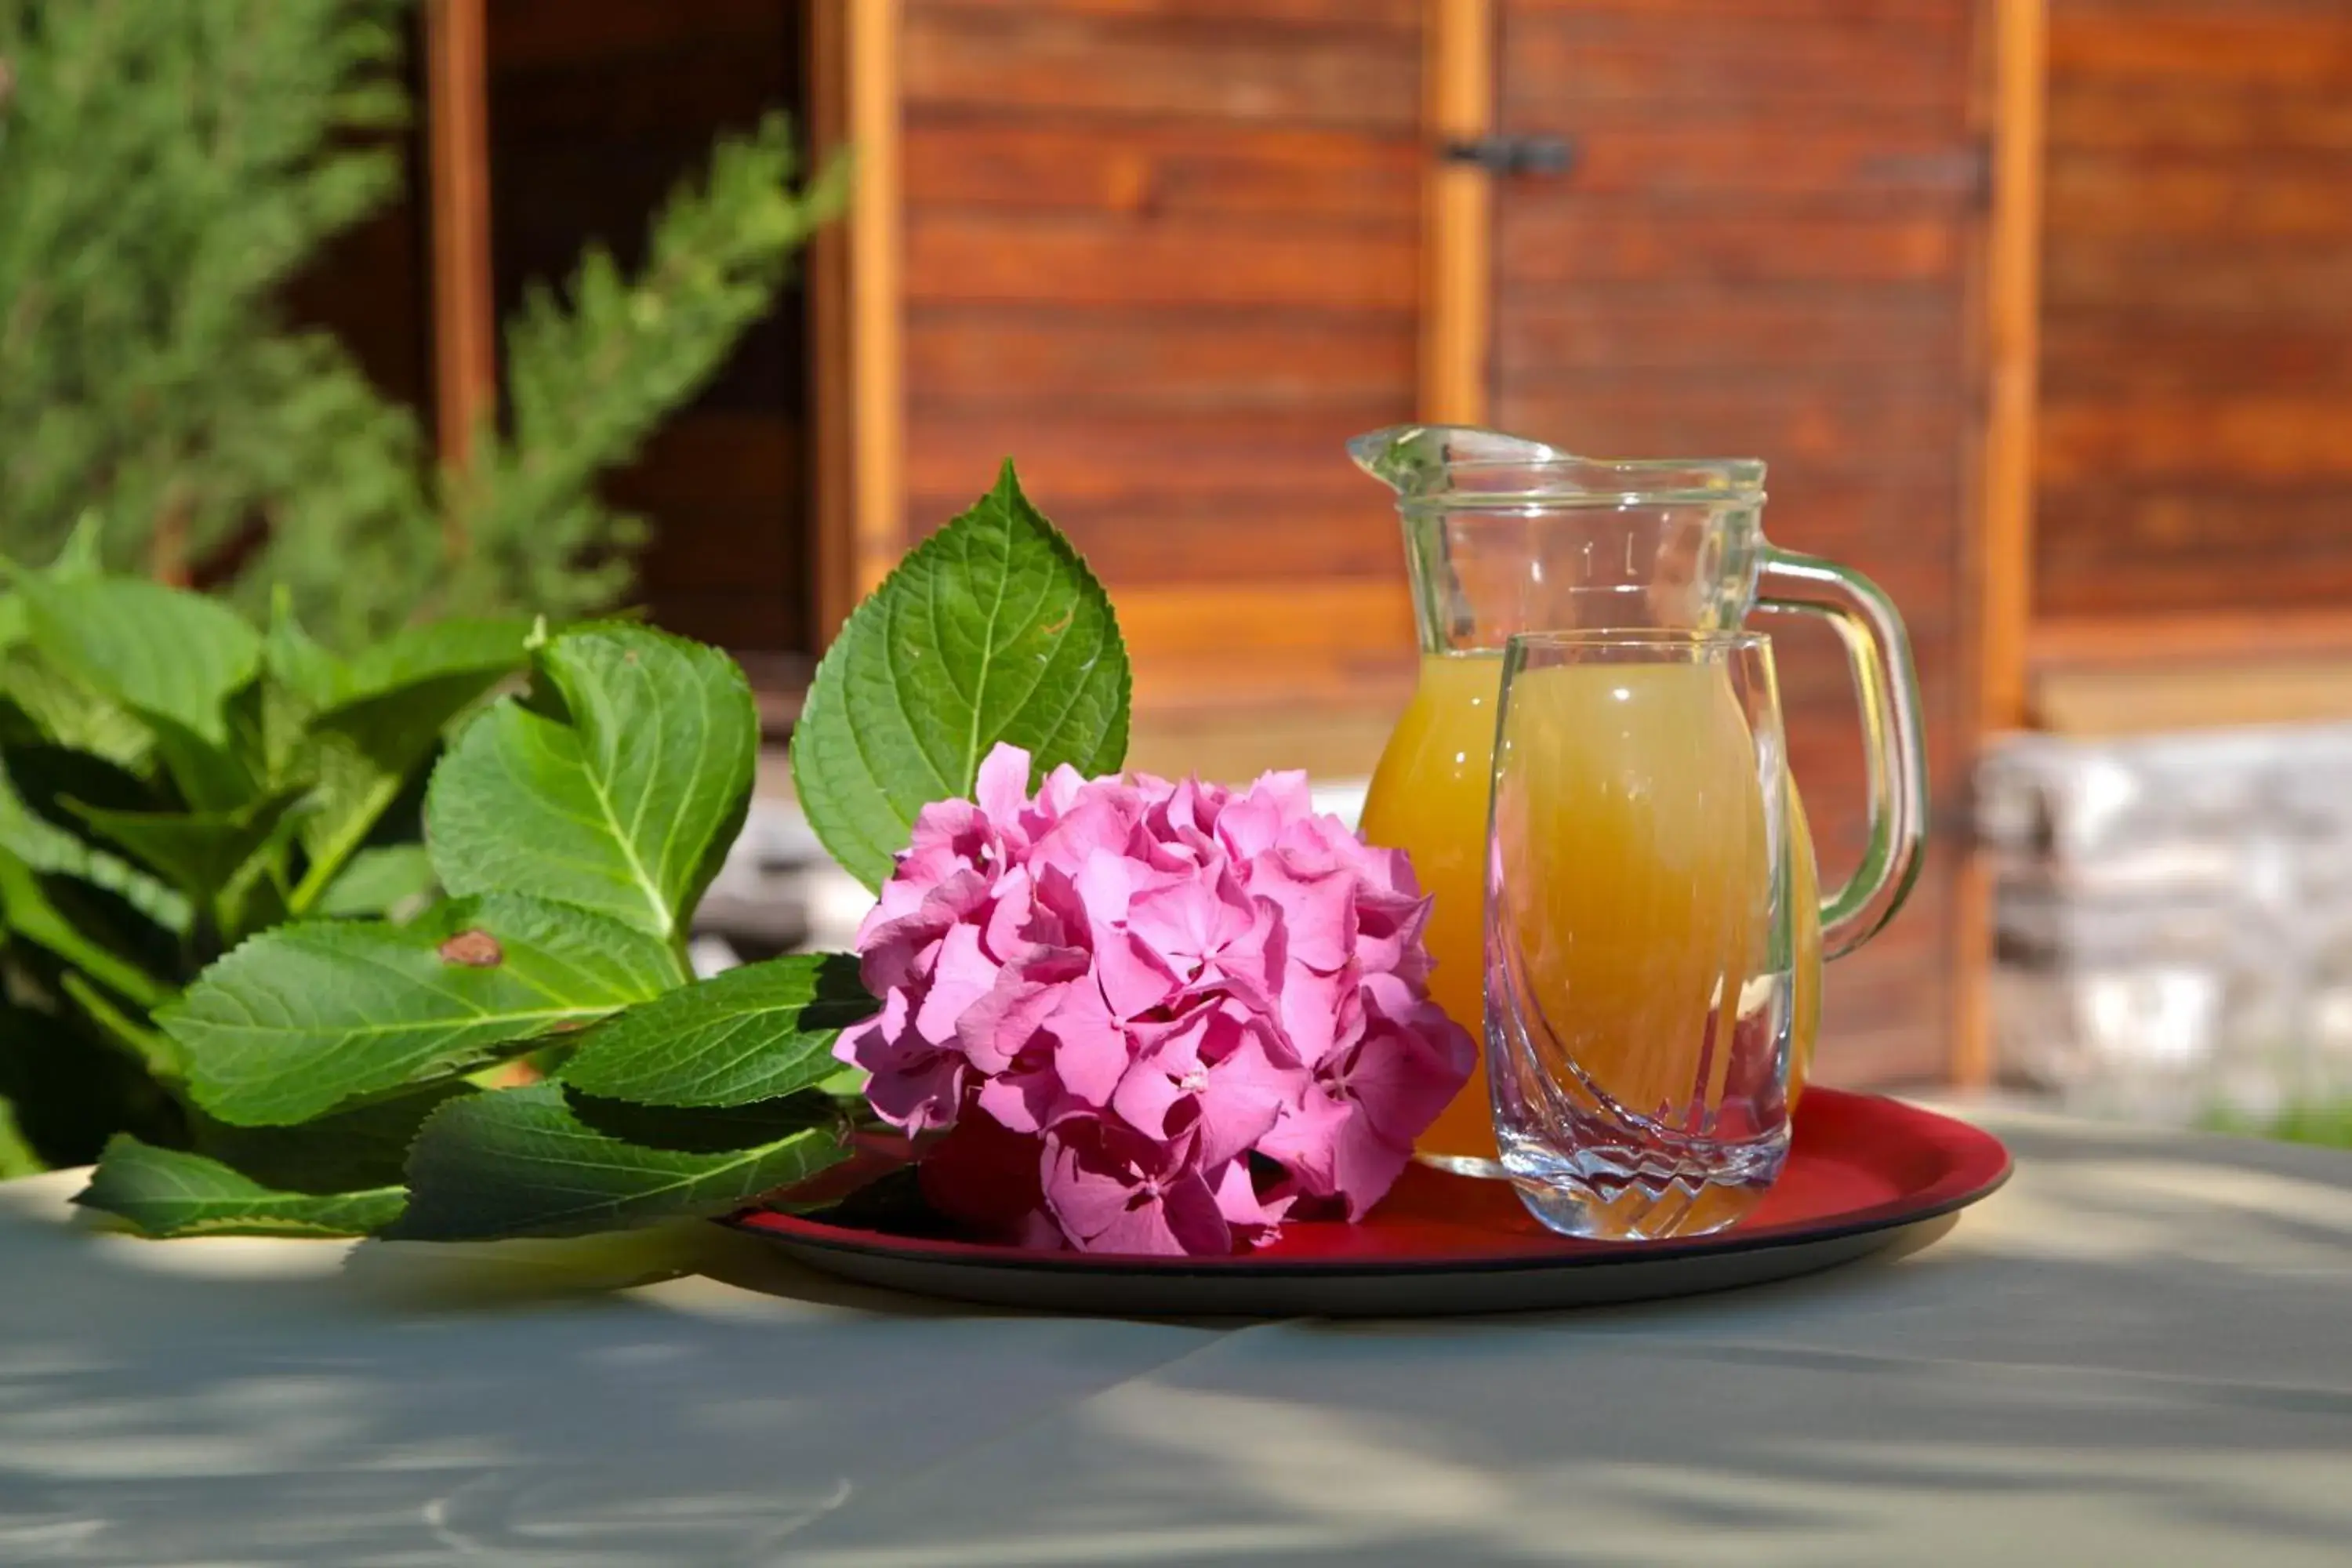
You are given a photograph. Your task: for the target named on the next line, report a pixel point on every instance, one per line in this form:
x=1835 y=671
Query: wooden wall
x=2196 y=433
x=1766 y=248
x=597 y=108
x=1166 y=252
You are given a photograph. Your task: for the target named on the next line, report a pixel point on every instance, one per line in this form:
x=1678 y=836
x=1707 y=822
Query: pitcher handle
x=1886 y=687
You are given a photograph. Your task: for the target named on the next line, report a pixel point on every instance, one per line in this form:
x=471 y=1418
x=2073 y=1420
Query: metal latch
x=1512 y=154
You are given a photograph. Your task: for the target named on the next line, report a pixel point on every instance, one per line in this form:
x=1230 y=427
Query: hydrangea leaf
x=545 y=1161
x=758 y=1032
x=171 y=1192
x=619 y=788
x=994 y=629
x=388 y=882
x=170 y=656
x=308 y=1017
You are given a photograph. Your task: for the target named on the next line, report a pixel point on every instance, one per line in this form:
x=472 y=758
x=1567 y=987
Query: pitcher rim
x=1736 y=481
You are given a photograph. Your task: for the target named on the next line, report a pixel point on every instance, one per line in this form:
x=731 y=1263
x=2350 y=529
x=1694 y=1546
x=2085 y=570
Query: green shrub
x=164 y=168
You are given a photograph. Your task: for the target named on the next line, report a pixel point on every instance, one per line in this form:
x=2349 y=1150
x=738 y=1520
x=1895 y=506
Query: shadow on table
x=2141 y=1339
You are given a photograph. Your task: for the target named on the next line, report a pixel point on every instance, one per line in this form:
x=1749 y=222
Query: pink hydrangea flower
x=1128 y=1015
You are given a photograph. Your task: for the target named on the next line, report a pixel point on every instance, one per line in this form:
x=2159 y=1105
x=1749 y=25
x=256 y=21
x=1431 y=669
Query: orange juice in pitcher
x=1505 y=535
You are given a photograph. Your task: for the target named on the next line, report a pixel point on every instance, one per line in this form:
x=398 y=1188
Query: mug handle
x=1887 y=689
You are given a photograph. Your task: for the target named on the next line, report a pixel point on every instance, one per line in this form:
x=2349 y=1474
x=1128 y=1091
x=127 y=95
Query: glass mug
x=1640 y=952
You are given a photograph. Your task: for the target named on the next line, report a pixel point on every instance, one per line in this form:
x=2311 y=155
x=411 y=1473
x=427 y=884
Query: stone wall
x=2174 y=919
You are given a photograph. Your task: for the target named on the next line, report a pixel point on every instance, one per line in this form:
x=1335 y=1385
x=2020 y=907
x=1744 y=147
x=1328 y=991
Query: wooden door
x=1764 y=246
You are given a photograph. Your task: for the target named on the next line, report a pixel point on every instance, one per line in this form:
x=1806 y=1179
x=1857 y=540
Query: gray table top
x=2140 y=1350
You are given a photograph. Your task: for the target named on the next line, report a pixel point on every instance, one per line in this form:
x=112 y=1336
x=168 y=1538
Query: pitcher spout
x=1419 y=459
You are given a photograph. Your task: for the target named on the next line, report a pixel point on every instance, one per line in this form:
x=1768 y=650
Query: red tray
x=1863 y=1174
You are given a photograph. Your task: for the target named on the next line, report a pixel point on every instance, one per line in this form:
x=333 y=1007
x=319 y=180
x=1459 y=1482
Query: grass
x=2328 y=1126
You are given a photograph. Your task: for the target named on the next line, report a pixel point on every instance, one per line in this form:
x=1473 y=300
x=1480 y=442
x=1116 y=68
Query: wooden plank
x=464 y=323
x=1084 y=455
x=1607 y=241
x=1314 y=642
x=2244 y=45
x=1233 y=745
x=954 y=257
x=2228 y=634
x=2199 y=637
x=1203 y=68
x=2257 y=438
x=1936 y=16
x=1877 y=66
x=1881 y=424
x=2176 y=547
x=1046 y=357
x=2206 y=118
x=959 y=159
x=1457 y=215
x=1302 y=538
x=875 y=49
x=2257 y=194
x=1723 y=328
x=2208 y=275
x=2089 y=357
x=1336 y=16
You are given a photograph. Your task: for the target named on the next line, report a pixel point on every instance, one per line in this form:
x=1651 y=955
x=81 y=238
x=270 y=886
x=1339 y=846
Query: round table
x=2139 y=1351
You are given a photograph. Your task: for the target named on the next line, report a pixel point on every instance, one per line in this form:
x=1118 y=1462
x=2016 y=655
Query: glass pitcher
x=1506 y=535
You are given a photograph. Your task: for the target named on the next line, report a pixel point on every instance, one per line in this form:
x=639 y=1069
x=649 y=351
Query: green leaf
x=619 y=789
x=760 y=1032
x=338 y=1175
x=170 y=1192
x=543 y=1161
x=299 y=663
x=299 y=677
x=166 y=654
x=45 y=847
x=199 y=852
x=380 y=882
x=80 y=557
x=73 y=715
x=439 y=648
x=992 y=630
x=17 y=1155
x=306 y=1018
x=33 y=915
